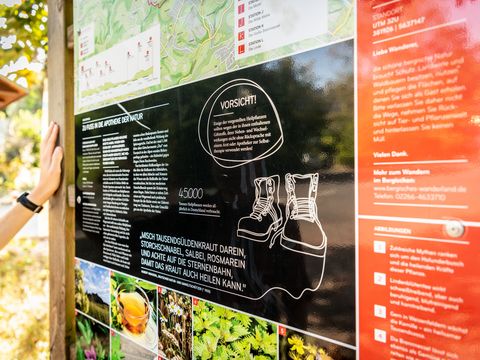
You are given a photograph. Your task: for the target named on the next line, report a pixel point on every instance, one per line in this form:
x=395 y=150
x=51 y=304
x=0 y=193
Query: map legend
x=267 y=24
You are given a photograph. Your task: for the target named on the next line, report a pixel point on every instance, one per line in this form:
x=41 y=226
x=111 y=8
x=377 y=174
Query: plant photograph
x=125 y=349
x=223 y=334
x=175 y=325
x=93 y=339
x=92 y=290
x=133 y=304
x=298 y=346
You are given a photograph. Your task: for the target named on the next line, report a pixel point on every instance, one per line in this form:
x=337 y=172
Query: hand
x=50 y=169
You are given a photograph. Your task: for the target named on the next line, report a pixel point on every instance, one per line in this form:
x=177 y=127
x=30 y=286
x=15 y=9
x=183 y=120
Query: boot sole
x=303 y=248
x=256 y=236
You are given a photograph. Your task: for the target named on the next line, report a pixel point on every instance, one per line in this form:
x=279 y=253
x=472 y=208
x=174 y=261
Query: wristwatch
x=22 y=199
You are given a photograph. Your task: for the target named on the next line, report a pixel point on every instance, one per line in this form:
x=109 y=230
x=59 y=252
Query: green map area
x=197 y=39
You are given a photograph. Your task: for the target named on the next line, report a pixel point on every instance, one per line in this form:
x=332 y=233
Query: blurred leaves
x=24 y=263
x=24 y=300
x=19 y=150
x=20 y=124
x=27 y=24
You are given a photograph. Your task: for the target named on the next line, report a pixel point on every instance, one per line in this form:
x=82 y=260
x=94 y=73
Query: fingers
x=47 y=134
x=57 y=157
x=51 y=140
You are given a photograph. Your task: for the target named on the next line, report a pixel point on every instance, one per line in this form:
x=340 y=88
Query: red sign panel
x=419 y=165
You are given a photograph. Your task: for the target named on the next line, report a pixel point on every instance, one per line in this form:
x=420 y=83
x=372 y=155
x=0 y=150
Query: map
x=130 y=48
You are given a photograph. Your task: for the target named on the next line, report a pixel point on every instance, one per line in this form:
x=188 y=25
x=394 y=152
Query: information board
x=276 y=180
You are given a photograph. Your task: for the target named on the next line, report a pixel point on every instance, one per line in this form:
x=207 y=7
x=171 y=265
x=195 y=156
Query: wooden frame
x=62 y=221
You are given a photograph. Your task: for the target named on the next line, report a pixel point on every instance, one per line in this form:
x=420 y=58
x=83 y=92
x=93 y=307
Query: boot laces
x=260 y=207
x=304 y=209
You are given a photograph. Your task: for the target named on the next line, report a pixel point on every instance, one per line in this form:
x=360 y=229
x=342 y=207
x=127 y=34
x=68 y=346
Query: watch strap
x=22 y=199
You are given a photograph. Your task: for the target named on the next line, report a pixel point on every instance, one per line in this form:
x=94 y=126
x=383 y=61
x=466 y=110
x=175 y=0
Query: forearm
x=15 y=218
x=50 y=172
x=12 y=222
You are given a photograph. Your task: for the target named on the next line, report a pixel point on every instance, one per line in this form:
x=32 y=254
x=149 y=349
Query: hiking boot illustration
x=266 y=217
x=302 y=231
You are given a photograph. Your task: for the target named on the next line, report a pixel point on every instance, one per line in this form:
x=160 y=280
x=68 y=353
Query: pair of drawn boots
x=302 y=231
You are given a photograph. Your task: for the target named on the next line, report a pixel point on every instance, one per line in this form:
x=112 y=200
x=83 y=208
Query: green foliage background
x=24 y=300
x=92 y=340
x=28 y=22
x=20 y=150
x=21 y=121
x=24 y=263
x=222 y=334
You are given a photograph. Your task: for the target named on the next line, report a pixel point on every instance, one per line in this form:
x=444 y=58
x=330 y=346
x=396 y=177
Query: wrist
x=37 y=197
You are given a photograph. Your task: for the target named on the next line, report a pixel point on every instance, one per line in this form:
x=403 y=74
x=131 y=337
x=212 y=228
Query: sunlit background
x=24 y=262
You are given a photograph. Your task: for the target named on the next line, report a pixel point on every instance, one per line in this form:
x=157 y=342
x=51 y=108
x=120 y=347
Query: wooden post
x=62 y=221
